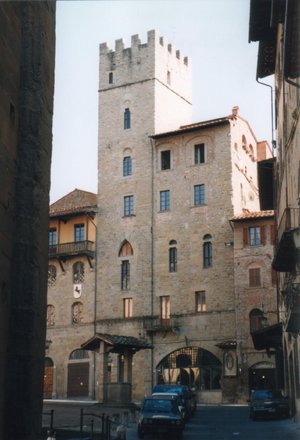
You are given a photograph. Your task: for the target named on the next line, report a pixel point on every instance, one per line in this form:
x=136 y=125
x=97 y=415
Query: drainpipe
x=152 y=256
x=95 y=308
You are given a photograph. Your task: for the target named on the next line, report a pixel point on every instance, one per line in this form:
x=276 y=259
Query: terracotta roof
x=253 y=215
x=75 y=202
x=195 y=126
x=119 y=343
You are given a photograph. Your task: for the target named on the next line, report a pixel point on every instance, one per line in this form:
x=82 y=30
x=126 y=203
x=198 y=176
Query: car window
x=157 y=405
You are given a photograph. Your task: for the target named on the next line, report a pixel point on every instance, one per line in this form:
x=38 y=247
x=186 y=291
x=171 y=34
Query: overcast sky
x=212 y=33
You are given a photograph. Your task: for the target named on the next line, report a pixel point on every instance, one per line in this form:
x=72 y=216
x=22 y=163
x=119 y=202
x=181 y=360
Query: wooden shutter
x=263 y=234
x=273 y=233
x=245 y=236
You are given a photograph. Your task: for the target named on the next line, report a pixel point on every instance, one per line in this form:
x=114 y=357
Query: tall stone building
x=27 y=53
x=168 y=190
x=276 y=25
x=69 y=370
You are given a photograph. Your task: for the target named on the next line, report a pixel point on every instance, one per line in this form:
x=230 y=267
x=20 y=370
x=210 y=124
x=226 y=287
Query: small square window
x=166 y=160
x=165 y=200
x=199 y=154
x=128 y=205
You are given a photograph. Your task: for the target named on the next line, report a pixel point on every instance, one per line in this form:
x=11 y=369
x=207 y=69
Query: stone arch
x=193 y=366
x=262 y=375
x=125 y=249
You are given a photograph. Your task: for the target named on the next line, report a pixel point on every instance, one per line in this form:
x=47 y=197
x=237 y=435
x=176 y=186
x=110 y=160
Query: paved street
x=209 y=423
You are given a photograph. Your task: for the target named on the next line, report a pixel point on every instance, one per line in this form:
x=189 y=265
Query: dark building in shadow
x=27 y=49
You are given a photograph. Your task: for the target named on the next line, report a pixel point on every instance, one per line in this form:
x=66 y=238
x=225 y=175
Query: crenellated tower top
x=156 y=59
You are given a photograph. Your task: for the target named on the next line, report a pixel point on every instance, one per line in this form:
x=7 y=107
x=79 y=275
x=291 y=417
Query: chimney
x=235 y=111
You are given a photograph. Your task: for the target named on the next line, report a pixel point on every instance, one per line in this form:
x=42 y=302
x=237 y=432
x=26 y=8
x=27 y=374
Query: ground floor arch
x=78 y=374
x=262 y=375
x=193 y=366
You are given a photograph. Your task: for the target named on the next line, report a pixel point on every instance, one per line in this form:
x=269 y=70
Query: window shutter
x=263 y=234
x=272 y=233
x=245 y=236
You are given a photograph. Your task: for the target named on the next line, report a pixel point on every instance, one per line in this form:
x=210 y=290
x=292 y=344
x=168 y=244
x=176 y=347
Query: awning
x=268 y=337
x=118 y=344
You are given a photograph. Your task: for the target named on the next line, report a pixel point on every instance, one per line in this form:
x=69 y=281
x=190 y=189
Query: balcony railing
x=66 y=250
x=156 y=324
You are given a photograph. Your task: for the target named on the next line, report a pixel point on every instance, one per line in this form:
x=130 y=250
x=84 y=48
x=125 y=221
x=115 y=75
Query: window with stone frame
x=200 y=301
x=165 y=157
x=50 y=315
x=127 y=119
x=199 y=150
x=164 y=200
x=125 y=275
x=165 y=310
x=207 y=251
x=128 y=206
x=127 y=307
x=127 y=166
x=254 y=277
x=199 y=195
x=254 y=235
x=78 y=272
x=172 y=256
x=51 y=275
x=77 y=313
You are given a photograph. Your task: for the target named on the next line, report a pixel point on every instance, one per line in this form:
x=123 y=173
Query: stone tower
x=147 y=87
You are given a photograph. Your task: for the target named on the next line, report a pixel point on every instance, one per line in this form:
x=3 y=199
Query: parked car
x=160 y=414
x=188 y=396
x=268 y=403
x=179 y=400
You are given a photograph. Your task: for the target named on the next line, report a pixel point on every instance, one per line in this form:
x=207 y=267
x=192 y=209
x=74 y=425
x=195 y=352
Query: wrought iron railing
x=85 y=247
x=155 y=323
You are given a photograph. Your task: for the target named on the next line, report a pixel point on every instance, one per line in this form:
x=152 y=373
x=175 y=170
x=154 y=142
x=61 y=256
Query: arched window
x=50 y=315
x=172 y=256
x=125 y=252
x=77 y=310
x=126 y=249
x=207 y=251
x=78 y=354
x=126 y=118
x=78 y=272
x=51 y=275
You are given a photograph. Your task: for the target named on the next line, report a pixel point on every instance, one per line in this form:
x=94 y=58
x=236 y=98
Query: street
x=231 y=422
x=210 y=422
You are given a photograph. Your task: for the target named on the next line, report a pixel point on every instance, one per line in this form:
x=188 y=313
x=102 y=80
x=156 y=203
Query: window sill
x=129 y=215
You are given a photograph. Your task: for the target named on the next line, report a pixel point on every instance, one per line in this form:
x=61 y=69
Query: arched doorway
x=48 y=378
x=78 y=374
x=192 y=366
x=262 y=376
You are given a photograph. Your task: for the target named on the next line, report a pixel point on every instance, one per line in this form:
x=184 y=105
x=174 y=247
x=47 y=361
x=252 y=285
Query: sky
x=213 y=34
